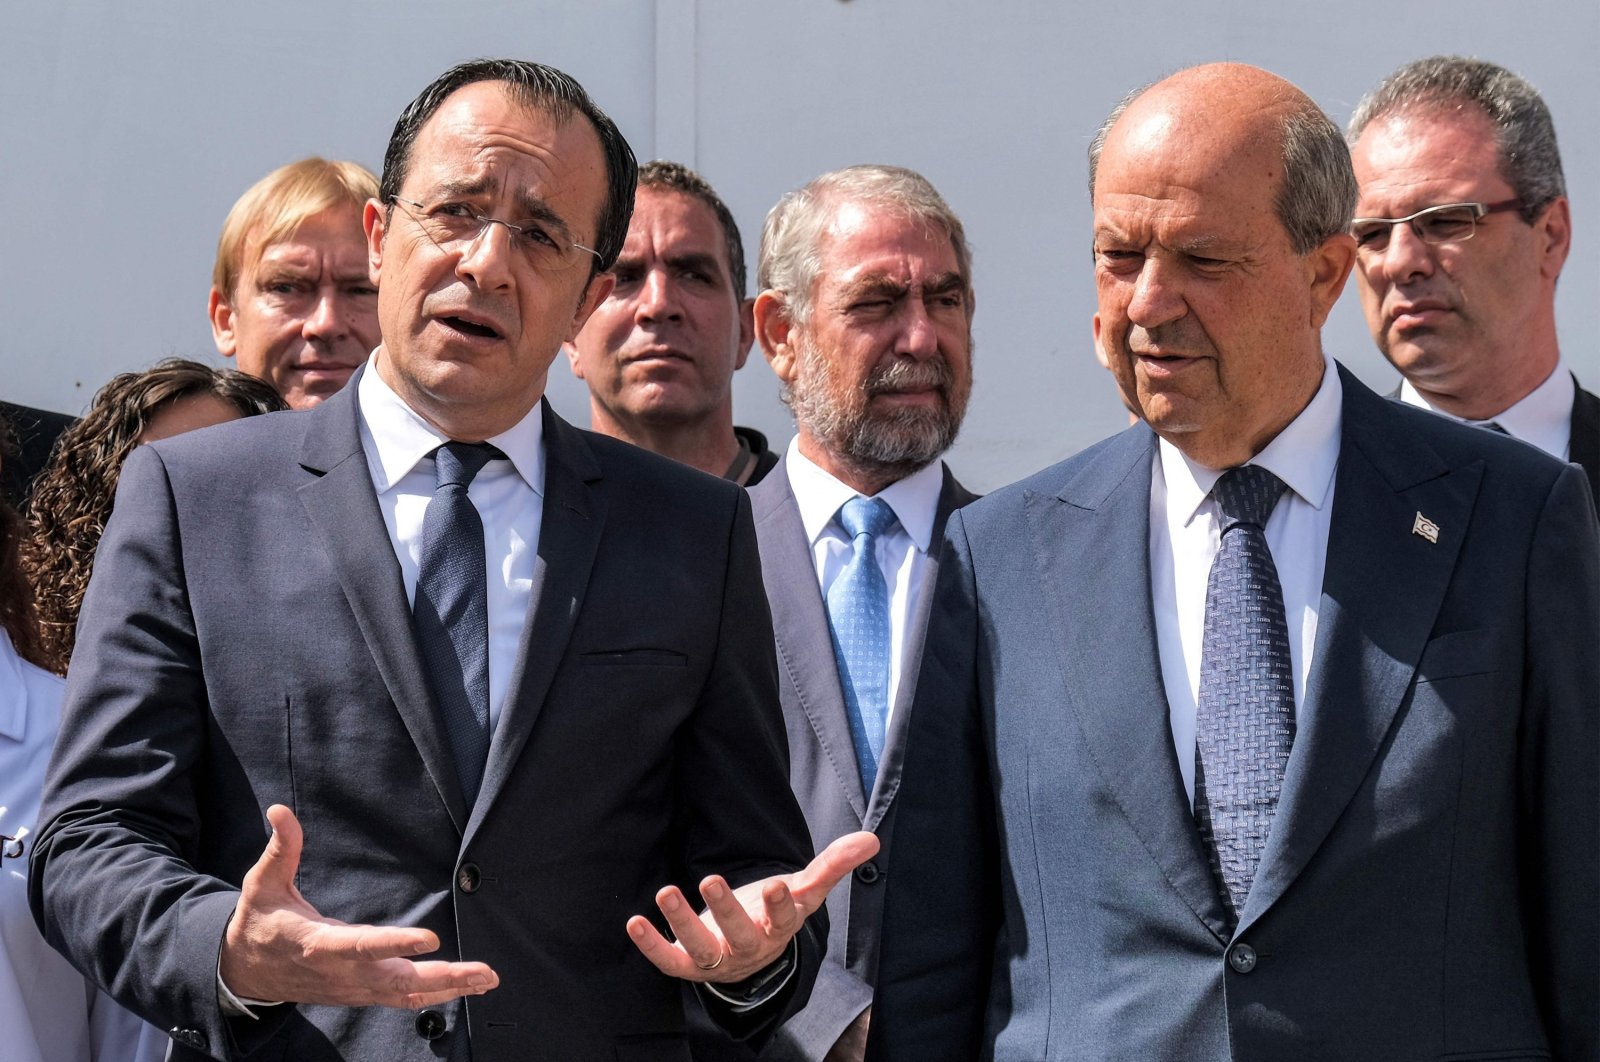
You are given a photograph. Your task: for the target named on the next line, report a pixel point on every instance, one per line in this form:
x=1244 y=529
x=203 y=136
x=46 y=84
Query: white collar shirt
x=1543 y=417
x=1185 y=535
x=902 y=552
x=509 y=497
x=49 y=1012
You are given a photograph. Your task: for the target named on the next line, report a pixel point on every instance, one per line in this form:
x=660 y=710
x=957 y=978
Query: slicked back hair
x=1317 y=193
x=676 y=177
x=540 y=88
x=1525 y=137
x=791 y=237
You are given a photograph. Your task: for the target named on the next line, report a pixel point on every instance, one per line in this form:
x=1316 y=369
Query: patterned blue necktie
x=451 y=611
x=858 y=617
x=1245 y=724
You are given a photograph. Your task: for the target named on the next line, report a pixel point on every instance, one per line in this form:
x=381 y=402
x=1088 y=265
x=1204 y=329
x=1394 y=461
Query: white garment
x=1185 y=535
x=509 y=497
x=48 y=1011
x=1543 y=417
x=902 y=551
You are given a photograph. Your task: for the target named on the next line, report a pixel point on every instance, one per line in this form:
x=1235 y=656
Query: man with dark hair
x=28 y=435
x=1266 y=728
x=660 y=352
x=421 y=632
x=1461 y=231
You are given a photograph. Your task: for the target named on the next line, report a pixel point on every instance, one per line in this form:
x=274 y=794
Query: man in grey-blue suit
x=1085 y=864
x=878 y=396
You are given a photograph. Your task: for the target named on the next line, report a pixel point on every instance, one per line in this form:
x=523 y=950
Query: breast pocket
x=634 y=658
x=1459 y=654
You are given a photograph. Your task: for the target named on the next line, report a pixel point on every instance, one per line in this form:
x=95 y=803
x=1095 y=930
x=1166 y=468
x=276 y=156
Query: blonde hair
x=280 y=203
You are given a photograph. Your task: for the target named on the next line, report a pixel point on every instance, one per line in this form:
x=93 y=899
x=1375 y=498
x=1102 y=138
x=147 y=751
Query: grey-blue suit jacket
x=246 y=640
x=822 y=763
x=1430 y=887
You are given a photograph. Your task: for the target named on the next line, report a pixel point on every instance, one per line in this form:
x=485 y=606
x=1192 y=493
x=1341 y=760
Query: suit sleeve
x=941 y=915
x=1560 y=792
x=113 y=884
x=741 y=819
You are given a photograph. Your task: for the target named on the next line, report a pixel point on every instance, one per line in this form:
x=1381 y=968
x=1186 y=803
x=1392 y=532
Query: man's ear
x=774 y=330
x=374 y=222
x=594 y=293
x=1553 y=230
x=221 y=313
x=1329 y=265
x=747 y=332
x=574 y=360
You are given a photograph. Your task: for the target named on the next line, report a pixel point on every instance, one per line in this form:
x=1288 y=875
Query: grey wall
x=128 y=131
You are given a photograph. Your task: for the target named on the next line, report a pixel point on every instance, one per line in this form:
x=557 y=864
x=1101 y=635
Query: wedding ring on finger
x=720 y=956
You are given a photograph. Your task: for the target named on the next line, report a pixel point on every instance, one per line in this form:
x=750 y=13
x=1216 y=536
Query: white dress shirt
x=509 y=497
x=1185 y=534
x=902 y=552
x=1543 y=417
x=48 y=1011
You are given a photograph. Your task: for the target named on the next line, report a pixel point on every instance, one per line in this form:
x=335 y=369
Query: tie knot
x=1246 y=495
x=456 y=463
x=865 y=516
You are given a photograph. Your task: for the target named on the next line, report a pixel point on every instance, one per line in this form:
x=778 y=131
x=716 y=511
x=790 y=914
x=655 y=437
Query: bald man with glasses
x=1461 y=230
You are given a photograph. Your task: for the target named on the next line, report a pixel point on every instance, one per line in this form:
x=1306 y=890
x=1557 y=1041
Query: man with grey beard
x=866 y=317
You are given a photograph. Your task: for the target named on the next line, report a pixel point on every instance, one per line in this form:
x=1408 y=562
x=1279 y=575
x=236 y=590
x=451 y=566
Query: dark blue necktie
x=451 y=612
x=858 y=618
x=1245 y=724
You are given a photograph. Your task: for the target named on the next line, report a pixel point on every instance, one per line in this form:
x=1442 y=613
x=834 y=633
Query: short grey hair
x=1525 y=137
x=790 y=256
x=1316 y=195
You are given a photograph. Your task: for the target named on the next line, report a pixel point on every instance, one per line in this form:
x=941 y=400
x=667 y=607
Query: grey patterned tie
x=451 y=611
x=1245 y=724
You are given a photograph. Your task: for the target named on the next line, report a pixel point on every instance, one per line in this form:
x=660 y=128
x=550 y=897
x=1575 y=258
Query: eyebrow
x=883 y=284
x=529 y=206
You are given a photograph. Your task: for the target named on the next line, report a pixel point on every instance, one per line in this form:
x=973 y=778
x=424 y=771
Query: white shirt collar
x=1543 y=417
x=1304 y=455
x=400 y=438
x=914 y=499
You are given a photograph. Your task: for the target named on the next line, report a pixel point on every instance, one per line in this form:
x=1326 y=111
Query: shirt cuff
x=235 y=1006
x=757 y=989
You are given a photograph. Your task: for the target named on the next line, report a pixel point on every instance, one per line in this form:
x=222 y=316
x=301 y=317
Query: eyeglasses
x=451 y=225
x=1451 y=223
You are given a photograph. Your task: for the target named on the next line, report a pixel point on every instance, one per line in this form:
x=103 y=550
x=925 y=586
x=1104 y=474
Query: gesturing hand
x=279 y=948
x=744 y=930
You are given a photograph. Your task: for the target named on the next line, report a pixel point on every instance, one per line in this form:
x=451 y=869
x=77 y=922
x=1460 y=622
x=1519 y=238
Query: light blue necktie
x=858 y=617
x=1245 y=724
x=451 y=611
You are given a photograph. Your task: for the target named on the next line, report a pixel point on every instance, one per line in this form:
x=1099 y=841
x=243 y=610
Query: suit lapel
x=1092 y=540
x=952 y=496
x=342 y=506
x=572 y=519
x=800 y=623
x=1382 y=589
x=1584 y=443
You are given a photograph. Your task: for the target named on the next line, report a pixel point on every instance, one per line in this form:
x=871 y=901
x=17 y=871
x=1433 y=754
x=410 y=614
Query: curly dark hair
x=17 y=615
x=72 y=496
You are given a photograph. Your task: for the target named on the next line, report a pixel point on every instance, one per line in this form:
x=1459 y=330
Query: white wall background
x=127 y=130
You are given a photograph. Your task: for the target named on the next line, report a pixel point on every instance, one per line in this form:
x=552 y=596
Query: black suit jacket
x=1430 y=887
x=36 y=431
x=1584 y=449
x=246 y=640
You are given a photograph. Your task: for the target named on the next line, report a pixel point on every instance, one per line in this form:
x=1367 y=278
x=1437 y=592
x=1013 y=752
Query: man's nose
x=486 y=258
x=1157 y=295
x=1406 y=257
x=327 y=319
x=658 y=297
x=918 y=336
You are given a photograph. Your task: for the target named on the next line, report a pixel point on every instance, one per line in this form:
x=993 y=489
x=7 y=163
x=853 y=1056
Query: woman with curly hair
x=48 y=1011
x=72 y=497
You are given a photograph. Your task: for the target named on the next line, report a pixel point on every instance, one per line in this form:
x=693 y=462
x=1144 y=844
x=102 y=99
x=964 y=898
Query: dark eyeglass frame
x=484 y=221
x=1419 y=223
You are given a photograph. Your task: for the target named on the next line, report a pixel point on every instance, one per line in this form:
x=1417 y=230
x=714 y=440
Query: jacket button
x=1242 y=957
x=868 y=873
x=430 y=1025
x=468 y=878
x=189 y=1038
